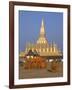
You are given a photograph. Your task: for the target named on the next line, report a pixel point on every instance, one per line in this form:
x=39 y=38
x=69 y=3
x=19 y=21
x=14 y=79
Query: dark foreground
x=39 y=73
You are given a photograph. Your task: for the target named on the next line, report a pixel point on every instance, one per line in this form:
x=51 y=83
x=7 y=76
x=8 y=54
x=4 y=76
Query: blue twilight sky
x=30 y=23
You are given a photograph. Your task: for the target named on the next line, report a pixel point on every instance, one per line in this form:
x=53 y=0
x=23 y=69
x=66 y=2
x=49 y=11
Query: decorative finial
x=42 y=21
x=42 y=31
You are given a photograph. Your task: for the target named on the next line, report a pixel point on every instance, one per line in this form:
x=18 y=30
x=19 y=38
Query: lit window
x=31 y=56
x=28 y=57
x=50 y=60
x=44 y=41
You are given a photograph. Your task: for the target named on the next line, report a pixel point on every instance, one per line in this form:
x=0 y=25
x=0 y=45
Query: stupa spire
x=42 y=29
x=42 y=38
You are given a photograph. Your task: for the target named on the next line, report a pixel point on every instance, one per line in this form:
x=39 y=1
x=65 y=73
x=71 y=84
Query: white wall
x=4 y=44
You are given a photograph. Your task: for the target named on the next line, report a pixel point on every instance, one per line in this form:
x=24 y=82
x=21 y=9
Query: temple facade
x=42 y=46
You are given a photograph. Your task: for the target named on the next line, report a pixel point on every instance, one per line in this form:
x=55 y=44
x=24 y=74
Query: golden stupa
x=42 y=45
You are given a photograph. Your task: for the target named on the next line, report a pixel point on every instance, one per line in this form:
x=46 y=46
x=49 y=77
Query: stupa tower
x=42 y=38
x=42 y=47
x=42 y=29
